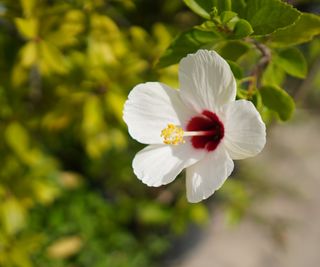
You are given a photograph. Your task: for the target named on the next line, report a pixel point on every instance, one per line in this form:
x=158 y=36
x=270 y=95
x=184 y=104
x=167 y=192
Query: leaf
x=115 y=102
x=204 y=7
x=100 y=53
x=278 y=100
x=52 y=58
x=266 y=16
x=207 y=26
x=96 y=139
x=222 y=5
x=314 y=50
x=13 y=215
x=242 y=29
x=119 y=140
x=236 y=69
x=233 y=50
x=45 y=193
x=226 y=16
x=292 y=61
x=65 y=247
x=187 y=42
x=70 y=180
x=19 y=75
x=67 y=34
x=200 y=7
x=28 y=28
x=257 y=100
x=153 y=214
x=21 y=249
x=199 y=213
x=28 y=7
x=303 y=30
x=93 y=121
x=29 y=54
x=17 y=138
x=239 y=6
x=273 y=75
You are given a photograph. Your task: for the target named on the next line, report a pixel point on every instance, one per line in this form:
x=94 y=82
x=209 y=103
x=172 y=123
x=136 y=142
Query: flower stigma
x=173 y=134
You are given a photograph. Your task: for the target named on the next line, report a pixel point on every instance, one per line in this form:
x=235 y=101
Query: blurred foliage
x=259 y=39
x=68 y=195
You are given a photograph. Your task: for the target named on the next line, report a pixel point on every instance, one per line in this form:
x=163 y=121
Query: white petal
x=206 y=81
x=245 y=132
x=149 y=109
x=157 y=165
x=208 y=175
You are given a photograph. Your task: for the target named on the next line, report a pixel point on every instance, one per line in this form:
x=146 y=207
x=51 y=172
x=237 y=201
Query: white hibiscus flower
x=199 y=127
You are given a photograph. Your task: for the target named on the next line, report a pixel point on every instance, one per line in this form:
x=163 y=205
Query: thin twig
x=257 y=72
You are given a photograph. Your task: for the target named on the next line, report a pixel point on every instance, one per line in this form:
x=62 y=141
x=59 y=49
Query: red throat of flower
x=210 y=126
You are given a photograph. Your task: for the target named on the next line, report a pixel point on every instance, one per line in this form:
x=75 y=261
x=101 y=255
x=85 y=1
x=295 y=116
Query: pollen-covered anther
x=172 y=135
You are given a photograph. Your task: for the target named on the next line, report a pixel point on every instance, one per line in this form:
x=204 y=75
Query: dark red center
x=210 y=123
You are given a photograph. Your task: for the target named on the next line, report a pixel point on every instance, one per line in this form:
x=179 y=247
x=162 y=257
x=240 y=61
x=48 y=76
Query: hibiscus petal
x=245 y=132
x=208 y=175
x=149 y=109
x=206 y=81
x=157 y=165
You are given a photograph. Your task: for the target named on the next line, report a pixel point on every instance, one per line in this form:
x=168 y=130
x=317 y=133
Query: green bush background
x=68 y=196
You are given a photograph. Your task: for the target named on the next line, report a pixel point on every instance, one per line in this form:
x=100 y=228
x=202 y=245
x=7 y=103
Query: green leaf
x=303 y=30
x=45 y=193
x=153 y=214
x=204 y=7
x=96 y=138
x=12 y=215
x=28 y=28
x=236 y=69
x=314 y=50
x=188 y=42
x=28 y=7
x=242 y=29
x=115 y=102
x=239 y=6
x=241 y=93
x=200 y=7
x=52 y=58
x=266 y=16
x=273 y=75
x=222 y=5
x=257 y=100
x=93 y=121
x=292 y=61
x=278 y=100
x=29 y=54
x=17 y=138
x=199 y=213
x=233 y=50
x=226 y=16
x=207 y=26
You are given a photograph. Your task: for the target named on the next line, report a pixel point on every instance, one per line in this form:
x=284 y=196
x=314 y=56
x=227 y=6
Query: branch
x=257 y=72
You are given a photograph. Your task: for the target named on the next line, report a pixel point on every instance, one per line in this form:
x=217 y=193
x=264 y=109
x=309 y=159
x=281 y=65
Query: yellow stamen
x=172 y=135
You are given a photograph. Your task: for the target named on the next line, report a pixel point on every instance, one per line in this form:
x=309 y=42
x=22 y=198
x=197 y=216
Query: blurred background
x=68 y=196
